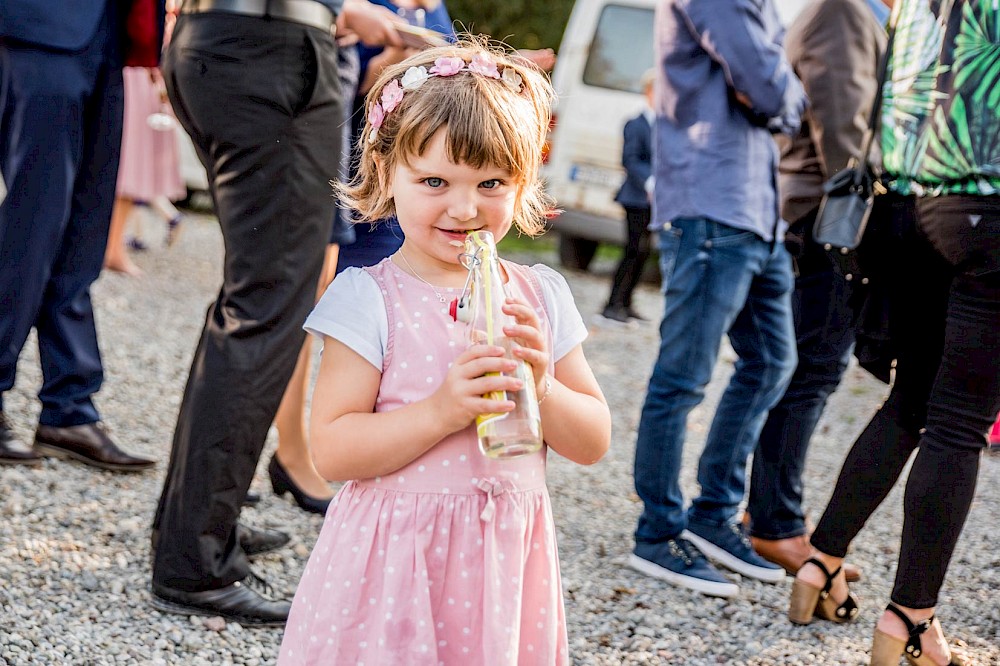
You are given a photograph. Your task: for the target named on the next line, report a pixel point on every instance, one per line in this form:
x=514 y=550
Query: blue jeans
x=717 y=280
x=824 y=329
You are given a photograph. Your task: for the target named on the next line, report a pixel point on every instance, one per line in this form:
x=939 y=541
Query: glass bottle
x=518 y=432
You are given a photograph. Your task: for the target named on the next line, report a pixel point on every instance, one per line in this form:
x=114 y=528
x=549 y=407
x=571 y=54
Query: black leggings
x=945 y=317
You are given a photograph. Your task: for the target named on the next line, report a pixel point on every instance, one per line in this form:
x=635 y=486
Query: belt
x=306 y=12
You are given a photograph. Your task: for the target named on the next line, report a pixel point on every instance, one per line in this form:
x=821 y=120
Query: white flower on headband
x=414 y=77
x=512 y=79
x=392 y=95
x=484 y=65
x=447 y=66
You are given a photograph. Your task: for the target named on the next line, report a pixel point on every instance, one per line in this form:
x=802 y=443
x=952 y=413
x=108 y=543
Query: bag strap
x=876 y=104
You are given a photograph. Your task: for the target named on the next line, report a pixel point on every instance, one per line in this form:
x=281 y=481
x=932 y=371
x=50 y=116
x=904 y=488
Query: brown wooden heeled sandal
x=886 y=649
x=808 y=602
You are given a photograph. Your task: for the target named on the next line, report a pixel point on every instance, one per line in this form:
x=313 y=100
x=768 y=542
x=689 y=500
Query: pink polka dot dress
x=449 y=560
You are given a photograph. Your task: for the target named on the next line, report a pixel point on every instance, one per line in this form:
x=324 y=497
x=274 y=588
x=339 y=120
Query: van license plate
x=595 y=175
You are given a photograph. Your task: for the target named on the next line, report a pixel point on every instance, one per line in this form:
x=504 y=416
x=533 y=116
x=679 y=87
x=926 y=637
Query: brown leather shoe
x=12 y=450
x=88 y=443
x=792 y=553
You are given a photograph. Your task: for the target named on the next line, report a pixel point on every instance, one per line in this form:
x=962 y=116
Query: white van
x=606 y=47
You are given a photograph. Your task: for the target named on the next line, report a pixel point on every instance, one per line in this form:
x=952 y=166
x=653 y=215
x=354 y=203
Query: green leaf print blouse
x=941 y=114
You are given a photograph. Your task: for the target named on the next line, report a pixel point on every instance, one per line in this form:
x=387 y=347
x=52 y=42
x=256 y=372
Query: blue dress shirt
x=714 y=156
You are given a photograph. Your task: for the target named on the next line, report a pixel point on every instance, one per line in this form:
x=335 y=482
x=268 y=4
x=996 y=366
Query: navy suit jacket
x=637 y=158
x=63 y=25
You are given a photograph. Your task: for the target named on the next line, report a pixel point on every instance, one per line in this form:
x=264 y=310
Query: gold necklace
x=417 y=275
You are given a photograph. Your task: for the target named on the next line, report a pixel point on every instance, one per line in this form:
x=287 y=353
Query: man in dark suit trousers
x=61 y=108
x=254 y=82
x=634 y=196
x=835 y=47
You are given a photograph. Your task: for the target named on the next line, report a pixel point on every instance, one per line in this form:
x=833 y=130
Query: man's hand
x=373 y=24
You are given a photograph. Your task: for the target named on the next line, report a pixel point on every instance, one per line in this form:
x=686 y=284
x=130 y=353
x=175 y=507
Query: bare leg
x=293 y=446
x=115 y=256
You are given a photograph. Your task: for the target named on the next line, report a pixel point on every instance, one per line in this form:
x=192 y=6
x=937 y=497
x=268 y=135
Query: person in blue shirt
x=724 y=87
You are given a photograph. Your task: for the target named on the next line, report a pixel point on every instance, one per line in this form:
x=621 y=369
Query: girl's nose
x=463 y=207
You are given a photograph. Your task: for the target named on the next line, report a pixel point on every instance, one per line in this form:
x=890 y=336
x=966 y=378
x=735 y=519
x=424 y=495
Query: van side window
x=622 y=48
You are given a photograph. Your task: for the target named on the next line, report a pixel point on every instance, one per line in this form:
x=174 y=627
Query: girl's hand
x=529 y=334
x=460 y=399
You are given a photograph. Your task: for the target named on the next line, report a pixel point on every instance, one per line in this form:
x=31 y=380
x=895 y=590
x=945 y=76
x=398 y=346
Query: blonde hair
x=488 y=123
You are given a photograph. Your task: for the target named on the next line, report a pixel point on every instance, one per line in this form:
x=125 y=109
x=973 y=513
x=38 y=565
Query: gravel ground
x=74 y=541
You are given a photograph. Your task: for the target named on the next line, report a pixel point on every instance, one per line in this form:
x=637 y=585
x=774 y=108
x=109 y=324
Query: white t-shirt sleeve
x=352 y=311
x=568 y=329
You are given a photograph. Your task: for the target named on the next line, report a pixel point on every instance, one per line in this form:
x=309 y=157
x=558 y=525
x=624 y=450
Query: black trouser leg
x=869 y=472
x=266 y=133
x=636 y=252
x=963 y=401
x=919 y=292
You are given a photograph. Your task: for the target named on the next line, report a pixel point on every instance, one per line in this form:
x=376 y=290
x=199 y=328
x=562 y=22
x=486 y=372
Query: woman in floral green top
x=941 y=143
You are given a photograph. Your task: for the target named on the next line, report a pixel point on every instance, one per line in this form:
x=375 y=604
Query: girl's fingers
x=477 y=367
x=530 y=335
x=521 y=312
x=532 y=356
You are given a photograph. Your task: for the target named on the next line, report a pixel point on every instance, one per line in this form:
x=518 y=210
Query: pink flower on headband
x=447 y=66
x=484 y=65
x=414 y=77
x=392 y=95
x=376 y=115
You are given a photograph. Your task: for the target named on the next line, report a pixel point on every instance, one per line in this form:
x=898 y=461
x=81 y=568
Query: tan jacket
x=835 y=47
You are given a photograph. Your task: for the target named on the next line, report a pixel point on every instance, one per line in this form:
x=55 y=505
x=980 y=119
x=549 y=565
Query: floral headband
x=414 y=77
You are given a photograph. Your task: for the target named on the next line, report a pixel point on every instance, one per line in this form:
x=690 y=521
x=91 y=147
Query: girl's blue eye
x=433 y=182
x=491 y=184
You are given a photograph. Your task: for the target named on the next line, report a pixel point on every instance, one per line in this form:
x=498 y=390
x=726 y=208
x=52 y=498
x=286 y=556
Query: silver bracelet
x=548 y=390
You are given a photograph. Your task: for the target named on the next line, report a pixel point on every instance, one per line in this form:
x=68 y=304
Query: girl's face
x=438 y=202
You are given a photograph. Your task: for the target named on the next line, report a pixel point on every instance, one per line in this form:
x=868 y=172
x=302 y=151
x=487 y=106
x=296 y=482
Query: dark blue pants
x=824 y=336
x=60 y=136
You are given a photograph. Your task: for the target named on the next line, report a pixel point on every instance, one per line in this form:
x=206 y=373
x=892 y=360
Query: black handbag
x=848 y=196
x=844 y=210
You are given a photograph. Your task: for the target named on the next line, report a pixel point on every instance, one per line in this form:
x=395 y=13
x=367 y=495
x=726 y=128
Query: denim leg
x=763 y=337
x=705 y=286
x=824 y=331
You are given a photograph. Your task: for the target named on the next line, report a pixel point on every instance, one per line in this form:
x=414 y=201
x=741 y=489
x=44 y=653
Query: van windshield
x=622 y=48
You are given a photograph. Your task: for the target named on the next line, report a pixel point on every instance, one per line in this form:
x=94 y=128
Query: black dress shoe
x=257 y=542
x=283 y=483
x=240 y=602
x=12 y=450
x=89 y=443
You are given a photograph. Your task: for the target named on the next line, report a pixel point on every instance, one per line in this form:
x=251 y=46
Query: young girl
x=433 y=553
